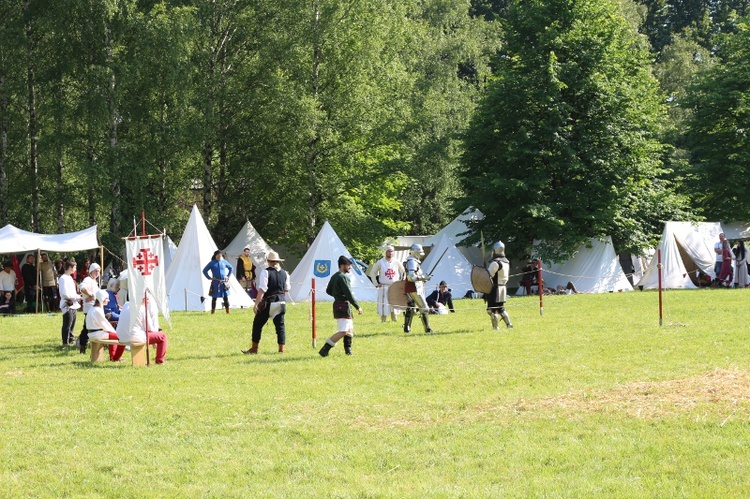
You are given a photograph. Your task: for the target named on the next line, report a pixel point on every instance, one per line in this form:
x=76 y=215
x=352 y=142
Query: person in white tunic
x=384 y=273
x=740 y=267
x=145 y=326
x=69 y=303
x=99 y=328
x=88 y=287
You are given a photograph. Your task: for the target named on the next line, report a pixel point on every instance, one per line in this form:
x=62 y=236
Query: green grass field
x=593 y=398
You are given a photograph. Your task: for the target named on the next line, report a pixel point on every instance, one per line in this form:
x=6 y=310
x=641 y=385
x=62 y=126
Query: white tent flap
x=15 y=240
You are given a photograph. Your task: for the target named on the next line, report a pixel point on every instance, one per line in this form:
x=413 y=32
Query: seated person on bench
x=137 y=334
x=112 y=308
x=99 y=327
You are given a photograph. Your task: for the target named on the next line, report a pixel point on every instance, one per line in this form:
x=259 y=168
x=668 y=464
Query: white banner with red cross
x=146 y=271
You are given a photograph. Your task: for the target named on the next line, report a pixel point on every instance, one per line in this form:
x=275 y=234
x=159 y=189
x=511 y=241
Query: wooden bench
x=137 y=351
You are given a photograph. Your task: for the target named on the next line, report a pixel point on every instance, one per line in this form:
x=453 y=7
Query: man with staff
x=384 y=273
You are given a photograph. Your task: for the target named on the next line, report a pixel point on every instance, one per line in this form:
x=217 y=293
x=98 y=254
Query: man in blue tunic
x=220 y=270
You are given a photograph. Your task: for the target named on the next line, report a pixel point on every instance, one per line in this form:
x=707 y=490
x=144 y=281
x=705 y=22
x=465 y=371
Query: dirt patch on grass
x=723 y=392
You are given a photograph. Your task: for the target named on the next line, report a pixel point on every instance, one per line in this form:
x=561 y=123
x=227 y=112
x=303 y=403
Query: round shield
x=396 y=294
x=481 y=280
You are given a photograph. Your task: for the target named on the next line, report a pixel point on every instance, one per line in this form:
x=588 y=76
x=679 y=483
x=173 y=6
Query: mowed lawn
x=592 y=398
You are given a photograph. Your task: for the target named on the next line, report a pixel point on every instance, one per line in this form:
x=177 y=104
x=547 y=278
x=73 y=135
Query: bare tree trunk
x=90 y=192
x=114 y=186
x=312 y=155
x=208 y=155
x=60 y=204
x=3 y=153
x=33 y=138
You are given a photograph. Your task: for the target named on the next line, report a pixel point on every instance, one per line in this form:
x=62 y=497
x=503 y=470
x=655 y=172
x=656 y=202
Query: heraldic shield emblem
x=322 y=268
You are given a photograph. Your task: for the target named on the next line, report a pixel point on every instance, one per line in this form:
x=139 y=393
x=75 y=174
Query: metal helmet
x=498 y=247
x=416 y=250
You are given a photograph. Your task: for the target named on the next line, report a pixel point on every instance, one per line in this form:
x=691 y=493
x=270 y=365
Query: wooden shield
x=396 y=294
x=481 y=280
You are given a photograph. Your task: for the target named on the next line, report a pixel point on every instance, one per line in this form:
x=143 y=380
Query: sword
x=481 y=235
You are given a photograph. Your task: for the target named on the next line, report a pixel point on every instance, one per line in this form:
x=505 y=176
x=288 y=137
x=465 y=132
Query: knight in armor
x=499 y=269
x=385 y=272
x=414 y=289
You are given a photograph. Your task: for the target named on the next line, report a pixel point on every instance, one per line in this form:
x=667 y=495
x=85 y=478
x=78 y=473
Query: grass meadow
x=593 y=398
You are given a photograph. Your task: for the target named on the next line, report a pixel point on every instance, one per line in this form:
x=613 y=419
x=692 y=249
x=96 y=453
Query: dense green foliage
x=718 y=130
x=592 y=399
x=284 y=113
x=292 y=113
x=566 y=146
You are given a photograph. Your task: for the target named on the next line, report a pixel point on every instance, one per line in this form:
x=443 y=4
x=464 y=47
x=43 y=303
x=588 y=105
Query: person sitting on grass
x=7 y=306
x=441 y=300
x=99 y=328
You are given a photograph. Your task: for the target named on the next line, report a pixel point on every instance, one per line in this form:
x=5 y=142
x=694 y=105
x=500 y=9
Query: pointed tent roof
x=686 y=249
x=248 y=237
x=457 y=228
x=446 y=263
x=185 y=280
x=593 y=270
x=321 y=262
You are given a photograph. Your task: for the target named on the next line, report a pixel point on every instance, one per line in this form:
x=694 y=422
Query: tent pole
x=38 y=279
x=314 y=317
x=659 y=267
x=540 y=286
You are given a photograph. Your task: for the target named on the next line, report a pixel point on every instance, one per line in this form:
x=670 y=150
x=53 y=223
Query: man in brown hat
x=273 y=283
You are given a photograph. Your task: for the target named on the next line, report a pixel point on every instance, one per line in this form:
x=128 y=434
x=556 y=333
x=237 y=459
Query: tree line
x=560 y=120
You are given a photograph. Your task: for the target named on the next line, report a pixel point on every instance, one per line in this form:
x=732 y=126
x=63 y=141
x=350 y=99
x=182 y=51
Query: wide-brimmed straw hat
x=274 y=257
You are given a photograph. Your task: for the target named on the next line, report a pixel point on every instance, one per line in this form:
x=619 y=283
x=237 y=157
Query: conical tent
x=320 y=263
x=592 y=270
x=186 y=284
x=686 y=249
x=248 y=237
x=446 y=263
x=457 y=228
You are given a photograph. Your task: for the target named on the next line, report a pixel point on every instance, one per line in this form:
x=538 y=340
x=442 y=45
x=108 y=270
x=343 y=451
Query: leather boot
x=348 y=345
x=213 y=311
x=227 y=309
x=281 y=348
x=426 y=323
x=252 y=350
x=326 y=348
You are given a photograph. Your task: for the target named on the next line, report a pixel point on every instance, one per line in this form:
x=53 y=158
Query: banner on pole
x=146 y=270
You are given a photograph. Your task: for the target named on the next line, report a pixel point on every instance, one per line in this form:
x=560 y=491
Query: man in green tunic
x=340 y=288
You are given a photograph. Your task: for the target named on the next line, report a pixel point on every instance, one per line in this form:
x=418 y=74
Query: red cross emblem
x=390 y=274
x=145 y=261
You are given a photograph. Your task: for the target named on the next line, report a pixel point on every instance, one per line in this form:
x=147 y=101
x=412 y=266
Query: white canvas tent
x=446 y=263
x=457 y=228
x=686 y=249
x=248 y=237
x=15 y=240
x=593 y=270
x=185 y=281
x=321 y=262
x=736 y=230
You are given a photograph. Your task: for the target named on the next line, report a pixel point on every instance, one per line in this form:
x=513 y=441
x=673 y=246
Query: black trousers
x=69 y=323
x=261 y=318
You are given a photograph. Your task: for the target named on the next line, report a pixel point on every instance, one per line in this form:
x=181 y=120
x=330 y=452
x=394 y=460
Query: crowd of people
x=63 y=287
